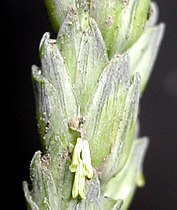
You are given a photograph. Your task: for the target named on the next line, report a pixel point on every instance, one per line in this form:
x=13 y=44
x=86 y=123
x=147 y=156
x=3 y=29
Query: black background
x=23 y=23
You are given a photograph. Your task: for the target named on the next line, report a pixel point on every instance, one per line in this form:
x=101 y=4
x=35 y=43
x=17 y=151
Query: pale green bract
x=87 y=92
